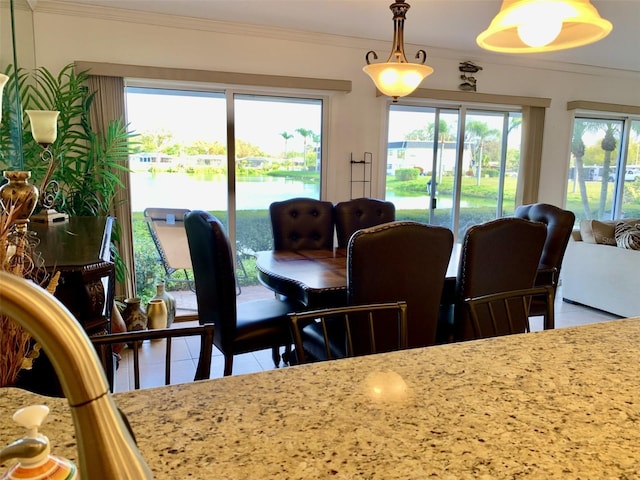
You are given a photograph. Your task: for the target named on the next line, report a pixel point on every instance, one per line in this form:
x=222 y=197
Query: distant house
x=208 y=160
x=160 y=161
x=419 y=154
x=146 y=160
x=255 y=162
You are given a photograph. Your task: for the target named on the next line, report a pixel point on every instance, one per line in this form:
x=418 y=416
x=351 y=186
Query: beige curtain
x=108 y=105
x=531 y=155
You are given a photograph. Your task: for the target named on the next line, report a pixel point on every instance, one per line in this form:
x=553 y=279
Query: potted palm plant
x=83 y=163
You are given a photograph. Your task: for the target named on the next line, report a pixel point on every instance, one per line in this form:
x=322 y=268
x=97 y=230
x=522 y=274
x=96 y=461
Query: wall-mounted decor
x=467 y=70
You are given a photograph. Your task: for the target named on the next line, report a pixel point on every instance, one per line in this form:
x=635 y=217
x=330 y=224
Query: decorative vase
x=133 y=315
x=118 y=325
x=169 y=301
x=18 y=191
x=157 y=314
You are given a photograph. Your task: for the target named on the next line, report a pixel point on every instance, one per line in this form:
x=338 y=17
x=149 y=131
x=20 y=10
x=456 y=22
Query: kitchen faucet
x=106 y=449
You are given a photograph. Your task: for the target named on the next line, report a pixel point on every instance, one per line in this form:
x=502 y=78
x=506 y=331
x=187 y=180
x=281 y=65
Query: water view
x=181 y=190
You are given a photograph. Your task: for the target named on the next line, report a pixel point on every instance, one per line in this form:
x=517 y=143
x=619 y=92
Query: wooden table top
x=318 y=278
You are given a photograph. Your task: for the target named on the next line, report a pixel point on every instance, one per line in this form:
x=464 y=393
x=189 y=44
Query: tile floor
x=185 y=350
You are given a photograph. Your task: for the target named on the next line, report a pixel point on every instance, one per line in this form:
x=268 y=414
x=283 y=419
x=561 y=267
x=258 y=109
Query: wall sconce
x=529 y=26
x=396 y=77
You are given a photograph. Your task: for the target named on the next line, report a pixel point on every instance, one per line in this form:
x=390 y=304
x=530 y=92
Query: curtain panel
x=108 y=105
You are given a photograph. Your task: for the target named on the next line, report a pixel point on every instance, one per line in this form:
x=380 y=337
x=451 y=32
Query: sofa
x=601 y=265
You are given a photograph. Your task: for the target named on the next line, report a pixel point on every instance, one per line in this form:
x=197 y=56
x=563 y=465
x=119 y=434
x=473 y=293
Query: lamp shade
x=529 y=26
x=397 y=79
x=44 y=125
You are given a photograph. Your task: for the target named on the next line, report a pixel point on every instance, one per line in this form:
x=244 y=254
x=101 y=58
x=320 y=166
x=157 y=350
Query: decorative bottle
x=157 y=314
x=33 y=451
x=133 y=315
x=20 y=193
x=169 y=301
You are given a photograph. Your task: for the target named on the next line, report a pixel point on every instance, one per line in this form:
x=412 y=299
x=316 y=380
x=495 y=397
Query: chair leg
x=275 y=354
x=286 y=355
x=228 y=365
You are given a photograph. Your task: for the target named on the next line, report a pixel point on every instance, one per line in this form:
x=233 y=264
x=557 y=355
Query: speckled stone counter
x=558 y=403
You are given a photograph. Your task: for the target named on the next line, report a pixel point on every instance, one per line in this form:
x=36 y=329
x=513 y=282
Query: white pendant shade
x=529 y=26
x=44 y=125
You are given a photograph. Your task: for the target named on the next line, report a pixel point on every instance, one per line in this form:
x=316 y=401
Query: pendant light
x=529 y=26
x=396 y=77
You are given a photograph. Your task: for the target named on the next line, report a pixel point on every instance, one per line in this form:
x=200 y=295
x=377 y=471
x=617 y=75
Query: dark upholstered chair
x=506 y=312
x=401 y=261
x=559 y=224
x=497 y=256
x=241 y=328
x=105 y=344
x=359 y=213
x=302 y=224
x=360 y=330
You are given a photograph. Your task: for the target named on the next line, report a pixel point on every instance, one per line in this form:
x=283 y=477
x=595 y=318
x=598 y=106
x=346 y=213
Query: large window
x=604 y=168
x=183 y=161
x=452 y=166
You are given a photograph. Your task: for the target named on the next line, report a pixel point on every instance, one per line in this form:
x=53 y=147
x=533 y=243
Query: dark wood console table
x=80 y=251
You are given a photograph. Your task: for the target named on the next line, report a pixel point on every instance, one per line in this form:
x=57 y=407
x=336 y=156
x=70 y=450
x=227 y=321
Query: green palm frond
x=88 y=161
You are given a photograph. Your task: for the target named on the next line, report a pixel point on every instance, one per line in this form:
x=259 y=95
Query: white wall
x=356 y=118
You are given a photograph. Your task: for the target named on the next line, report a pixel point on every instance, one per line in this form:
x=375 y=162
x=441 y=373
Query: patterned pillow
x=593 y=231
x=628 y=235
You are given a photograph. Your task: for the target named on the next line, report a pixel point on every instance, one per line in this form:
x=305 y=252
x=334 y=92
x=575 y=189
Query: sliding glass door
x=184 y=160
x=452 y=166
x=604 y=171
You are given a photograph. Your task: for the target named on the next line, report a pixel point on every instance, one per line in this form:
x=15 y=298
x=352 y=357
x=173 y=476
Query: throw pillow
x=628 y=235
x=594 y=231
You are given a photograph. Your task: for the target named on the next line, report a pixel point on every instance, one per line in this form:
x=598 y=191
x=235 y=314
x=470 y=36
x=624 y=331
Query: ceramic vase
x=133 y=315
x=118 y=325
x=19 y=192
x=157 y=314
x=169 y=301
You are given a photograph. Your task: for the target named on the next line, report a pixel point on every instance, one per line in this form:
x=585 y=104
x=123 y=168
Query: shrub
x=405 y=174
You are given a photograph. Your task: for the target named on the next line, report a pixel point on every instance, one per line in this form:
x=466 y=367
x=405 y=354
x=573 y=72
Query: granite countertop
x=558 y=403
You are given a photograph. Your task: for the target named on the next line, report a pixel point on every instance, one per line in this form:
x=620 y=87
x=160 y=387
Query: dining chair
x=359 y=213
x=401 y=261
x=506 y=313
x=340 y=332
x=302 y=224
x=105 y=345
x=497 y=256
x=559 y=224
x=240 y=327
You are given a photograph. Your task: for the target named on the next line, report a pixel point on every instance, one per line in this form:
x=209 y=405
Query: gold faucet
x=105 y=446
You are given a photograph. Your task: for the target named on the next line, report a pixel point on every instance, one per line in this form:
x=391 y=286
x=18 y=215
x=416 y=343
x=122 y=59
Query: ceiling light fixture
x=396 y=77
x=529 y=26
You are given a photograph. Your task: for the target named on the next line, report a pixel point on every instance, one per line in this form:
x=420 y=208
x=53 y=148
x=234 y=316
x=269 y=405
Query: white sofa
x=600 y=275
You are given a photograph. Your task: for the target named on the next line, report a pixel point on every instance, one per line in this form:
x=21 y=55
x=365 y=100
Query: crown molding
x=231 y=28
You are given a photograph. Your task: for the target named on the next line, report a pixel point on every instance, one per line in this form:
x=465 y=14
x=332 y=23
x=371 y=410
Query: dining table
x=557 y=403
x=318 y=278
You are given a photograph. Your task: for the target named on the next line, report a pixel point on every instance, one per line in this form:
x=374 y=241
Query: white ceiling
x=450 y=24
